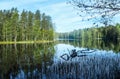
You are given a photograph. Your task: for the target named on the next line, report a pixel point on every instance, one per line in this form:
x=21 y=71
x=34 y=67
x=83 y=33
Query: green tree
x=23 y=25
x=14 y=22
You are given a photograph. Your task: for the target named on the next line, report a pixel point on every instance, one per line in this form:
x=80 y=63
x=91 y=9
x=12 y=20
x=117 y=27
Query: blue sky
x=63 y=15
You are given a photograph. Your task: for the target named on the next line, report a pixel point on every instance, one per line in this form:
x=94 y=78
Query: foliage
x=110 y=33
x=27 y=25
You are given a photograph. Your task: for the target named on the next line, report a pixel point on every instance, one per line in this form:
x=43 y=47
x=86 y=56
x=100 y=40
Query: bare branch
x=106 y=9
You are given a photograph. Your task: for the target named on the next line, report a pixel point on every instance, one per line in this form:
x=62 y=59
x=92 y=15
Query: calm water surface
x=43 y=61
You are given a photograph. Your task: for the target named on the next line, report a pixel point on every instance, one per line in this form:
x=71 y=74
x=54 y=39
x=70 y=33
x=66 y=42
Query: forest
x=25 y=26
x=109 y=33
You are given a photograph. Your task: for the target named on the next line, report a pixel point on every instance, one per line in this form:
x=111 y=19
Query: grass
x=26 y=42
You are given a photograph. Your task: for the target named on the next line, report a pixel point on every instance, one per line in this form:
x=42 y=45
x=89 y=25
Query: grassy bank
x=26 y=42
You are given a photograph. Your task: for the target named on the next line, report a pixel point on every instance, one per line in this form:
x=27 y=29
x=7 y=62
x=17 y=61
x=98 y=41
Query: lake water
x=49 y=61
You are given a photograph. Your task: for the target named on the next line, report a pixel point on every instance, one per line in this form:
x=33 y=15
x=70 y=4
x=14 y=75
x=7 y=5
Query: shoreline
x=25 y=42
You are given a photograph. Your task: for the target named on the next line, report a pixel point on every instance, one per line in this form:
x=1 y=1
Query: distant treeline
x=25 y=25
x=110 y=33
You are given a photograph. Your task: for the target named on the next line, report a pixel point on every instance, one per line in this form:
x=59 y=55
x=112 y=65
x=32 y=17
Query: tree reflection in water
x=40 y=61
x=94 y=44
x=25 y=60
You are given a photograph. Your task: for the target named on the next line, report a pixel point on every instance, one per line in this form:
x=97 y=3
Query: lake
x=54 y=60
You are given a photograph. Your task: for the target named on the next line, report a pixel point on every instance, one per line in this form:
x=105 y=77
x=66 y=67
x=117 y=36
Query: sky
x=64 y=16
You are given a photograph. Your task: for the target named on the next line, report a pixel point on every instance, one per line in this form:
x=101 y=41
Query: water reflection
x=100 y=64
x=43 y=61
x=62 y=49
x=96 y=43
x=25 y=61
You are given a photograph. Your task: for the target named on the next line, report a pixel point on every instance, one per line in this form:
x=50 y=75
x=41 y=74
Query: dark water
x=43 y=61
